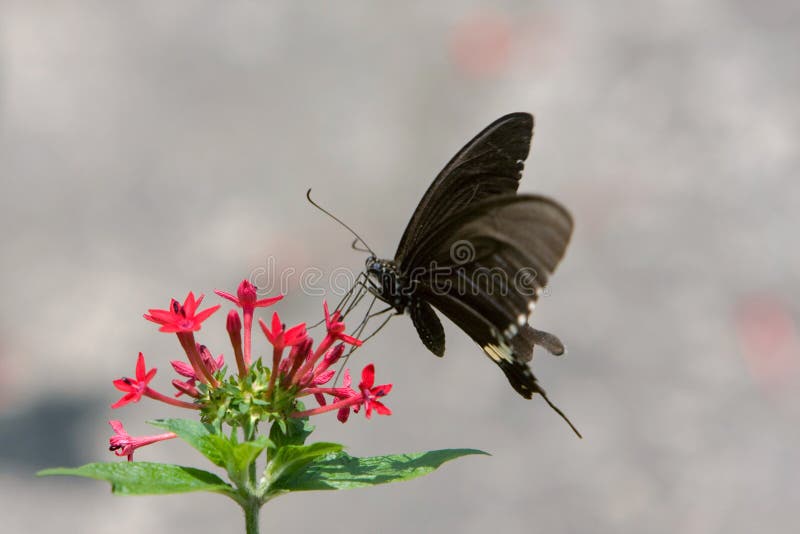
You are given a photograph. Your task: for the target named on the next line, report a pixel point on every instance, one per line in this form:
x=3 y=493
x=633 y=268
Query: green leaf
x=198 y=435
x=342 y=471
x=239 y=456
x=234 y=457
x=290 y=432
x=146 y=478
x=221 y=450
x=245 y=453
x=293 y=459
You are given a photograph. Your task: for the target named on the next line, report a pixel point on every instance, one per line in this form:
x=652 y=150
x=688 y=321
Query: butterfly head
x=372 y=264
x=378 y=269
x=386 y=283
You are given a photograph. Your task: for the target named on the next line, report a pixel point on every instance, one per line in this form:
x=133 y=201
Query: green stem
x=251 y=510
x=252 y=507
x=249 y=435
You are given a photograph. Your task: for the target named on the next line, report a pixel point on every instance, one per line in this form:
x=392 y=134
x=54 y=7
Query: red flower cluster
x=304 y=371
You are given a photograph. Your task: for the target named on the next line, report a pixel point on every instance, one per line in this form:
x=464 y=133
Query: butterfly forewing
x=533 y=226
x=490 y=164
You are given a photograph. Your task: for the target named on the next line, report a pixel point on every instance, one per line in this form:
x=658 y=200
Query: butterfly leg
x=353 y=295
x=349 y=300
x=363 y=290
x=384 y=323
x=356 y=333
x=360 y=329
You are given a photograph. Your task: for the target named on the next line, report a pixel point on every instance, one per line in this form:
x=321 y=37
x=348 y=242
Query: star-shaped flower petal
x=279 y=336
x=246 y=297
x=371 y=393
x=181 y=318
x=134 y=388
x=346 y=392
x=336 y=326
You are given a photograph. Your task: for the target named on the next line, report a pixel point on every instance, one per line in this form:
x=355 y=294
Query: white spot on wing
x=511 y=331
x=522 y=319
x=493 y=352
x=498 y=353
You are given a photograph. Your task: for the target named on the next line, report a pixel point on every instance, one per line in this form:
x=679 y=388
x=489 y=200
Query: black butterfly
x=481 y=254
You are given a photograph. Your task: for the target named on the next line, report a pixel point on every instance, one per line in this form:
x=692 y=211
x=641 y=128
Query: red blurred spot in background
x=769 y=339
x=481 y=44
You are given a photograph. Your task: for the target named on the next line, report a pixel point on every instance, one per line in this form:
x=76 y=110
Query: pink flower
x=348 y=392
x=331 y=357
x=134 y=388
x=279 y=336
x=186 y=370
x=371 y=394
x=335 y=332
x=181 y=318
x=321 y=374
x=208 y=359
x=367 y=395
x=233 y=323
x=187 y=387
x=234 y=327
x=183 y=321
x=316 y=379
x=246 y=299
x=299 y=354
x=183 y=369
x=246 y=295
x=336 y=327
x=123 y=445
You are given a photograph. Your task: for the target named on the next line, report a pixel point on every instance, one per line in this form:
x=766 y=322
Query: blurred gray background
x=150 y=148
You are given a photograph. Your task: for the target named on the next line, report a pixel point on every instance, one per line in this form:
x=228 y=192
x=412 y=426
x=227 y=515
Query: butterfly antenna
x=335 y=218
x=354 y=247
x=559 y=412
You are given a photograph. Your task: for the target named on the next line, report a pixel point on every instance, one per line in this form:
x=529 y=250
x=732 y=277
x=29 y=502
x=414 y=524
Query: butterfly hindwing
x=511 y=355
x=483 y=292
